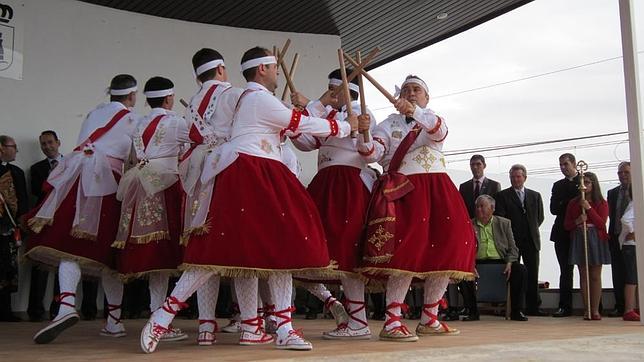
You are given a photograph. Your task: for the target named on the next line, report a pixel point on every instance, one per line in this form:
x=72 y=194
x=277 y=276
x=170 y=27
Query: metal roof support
x=627 y=21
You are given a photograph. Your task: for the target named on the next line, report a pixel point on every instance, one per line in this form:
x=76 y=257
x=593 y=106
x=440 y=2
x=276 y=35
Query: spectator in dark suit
x=563 y=191
x=14 y=203
x=524 y=208
x=617 y=202
x=478 y=185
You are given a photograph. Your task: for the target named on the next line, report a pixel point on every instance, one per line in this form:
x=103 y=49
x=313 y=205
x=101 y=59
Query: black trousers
x=518 y=279
x=566 y=270
x=37 y=289
x=618 y=271
x=530 y=257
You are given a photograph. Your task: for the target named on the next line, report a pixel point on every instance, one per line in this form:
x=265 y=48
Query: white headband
x=337 y=82
x=418 y=81
x=122 y=92
x=257 y=61
x=159 y=93
x=209 y=65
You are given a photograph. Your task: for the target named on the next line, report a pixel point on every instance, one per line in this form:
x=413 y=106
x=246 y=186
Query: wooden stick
x=291 y=75
x=183 y=102
x=366 y=61
x=280 y=62
x=345 y=89
x=375 y=83
x=363 y=105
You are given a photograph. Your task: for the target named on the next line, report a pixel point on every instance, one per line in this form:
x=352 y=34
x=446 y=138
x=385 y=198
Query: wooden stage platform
x=492 y=338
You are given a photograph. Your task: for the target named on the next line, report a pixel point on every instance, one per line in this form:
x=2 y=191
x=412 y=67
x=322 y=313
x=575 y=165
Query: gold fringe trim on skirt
x=36 y=224
x=80 y=234
x=44 y=254
x=145 y=274
x=378 y=259
x=199 y=230
x=452 y=274
x=326 y=272
x=143 y=239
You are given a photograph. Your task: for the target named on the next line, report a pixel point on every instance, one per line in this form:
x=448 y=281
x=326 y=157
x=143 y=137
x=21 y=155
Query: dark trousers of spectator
x=136 y=299
x=566 y=270
x=378 y=305
x=37 y=289
x=518 y=282
x=414 y=300
x=618 y=271
x=530 y=257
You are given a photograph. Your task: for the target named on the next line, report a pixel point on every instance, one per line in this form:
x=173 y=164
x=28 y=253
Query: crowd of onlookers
x=506 y=223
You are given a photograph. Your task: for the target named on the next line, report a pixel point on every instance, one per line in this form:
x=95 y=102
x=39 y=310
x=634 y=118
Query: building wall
x=73 y=49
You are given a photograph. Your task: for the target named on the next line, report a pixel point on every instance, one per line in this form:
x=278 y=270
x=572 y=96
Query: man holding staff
x=418 y=226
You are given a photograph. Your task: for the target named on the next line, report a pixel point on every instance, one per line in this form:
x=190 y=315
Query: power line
x=520 y=79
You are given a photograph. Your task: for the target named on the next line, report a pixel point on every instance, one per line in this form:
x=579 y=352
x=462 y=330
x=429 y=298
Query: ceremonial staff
x=366 y=135
x=345 y=89
x=582 y=167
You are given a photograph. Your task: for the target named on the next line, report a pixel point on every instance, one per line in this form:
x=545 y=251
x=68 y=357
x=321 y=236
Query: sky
x=542 y=37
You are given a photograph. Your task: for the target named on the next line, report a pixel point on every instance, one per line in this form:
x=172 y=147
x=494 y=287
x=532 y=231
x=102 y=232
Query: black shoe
x=519 y=317
x=615 y=313
x=537 y=313
x=471 y=318
x=562 y=312
x=10 y=317
x=451 y=316
x=311 y=316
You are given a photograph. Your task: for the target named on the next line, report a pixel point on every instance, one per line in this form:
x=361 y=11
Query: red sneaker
x=631 y=316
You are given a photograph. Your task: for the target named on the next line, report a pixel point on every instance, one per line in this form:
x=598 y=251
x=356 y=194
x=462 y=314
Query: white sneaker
x=295 y=341
x=56 y=327
x=339 y=313
x=174 y=334
x=249 y=338
x=232 y=327
x=151 y=335
x=117 y=332
x=344 y=332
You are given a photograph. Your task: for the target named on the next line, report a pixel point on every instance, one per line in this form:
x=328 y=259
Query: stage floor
x=492 y=338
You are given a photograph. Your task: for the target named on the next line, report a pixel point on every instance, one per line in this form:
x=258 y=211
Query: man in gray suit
x=496 y=246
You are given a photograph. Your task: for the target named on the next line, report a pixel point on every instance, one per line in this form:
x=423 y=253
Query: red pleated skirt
x=434 y=234
x=342 y=200
x=261 y=220
x=156 y=255
x=54 y=242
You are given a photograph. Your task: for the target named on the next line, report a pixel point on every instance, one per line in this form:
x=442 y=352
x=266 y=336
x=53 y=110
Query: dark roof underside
x=397 y=27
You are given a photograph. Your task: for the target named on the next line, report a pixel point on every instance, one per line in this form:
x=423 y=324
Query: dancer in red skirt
x=151 y=197
x=76 y=224
x=262 y=221
x=341 y=191
x=418 y=226
x=209 y=118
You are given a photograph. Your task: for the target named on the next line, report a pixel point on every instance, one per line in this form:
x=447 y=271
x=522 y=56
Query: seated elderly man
x=496 y=246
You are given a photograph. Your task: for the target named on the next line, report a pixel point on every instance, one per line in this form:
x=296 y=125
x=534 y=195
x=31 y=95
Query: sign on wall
x=11 y=21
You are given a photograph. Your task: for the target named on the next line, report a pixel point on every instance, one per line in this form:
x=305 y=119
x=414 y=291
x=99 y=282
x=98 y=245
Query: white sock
x=281 y=289
x=69 y=275
x=397 y=287
x=354 y=292
x=207 y=296
x=435 y=287
x=158 y=285
x=113 y=288
x=246 y=290
x=320 y=291
x=189 y=282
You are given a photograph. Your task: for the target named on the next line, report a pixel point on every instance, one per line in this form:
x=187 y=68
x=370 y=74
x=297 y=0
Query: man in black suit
x=14 y=203
x=524 y=208
x=49 y=144
x=478 y=185
x=617 y=202
x=563 y=191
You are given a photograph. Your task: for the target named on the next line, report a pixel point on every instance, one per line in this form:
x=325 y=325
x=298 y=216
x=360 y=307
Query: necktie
x=477 y=189
x=520 y=195
x=409 y=119
x=53 y=164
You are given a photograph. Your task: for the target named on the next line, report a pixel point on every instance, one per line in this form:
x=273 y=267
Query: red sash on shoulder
x=149 y=130
x=379 y=245
x=194 y=134
x=99 y=132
